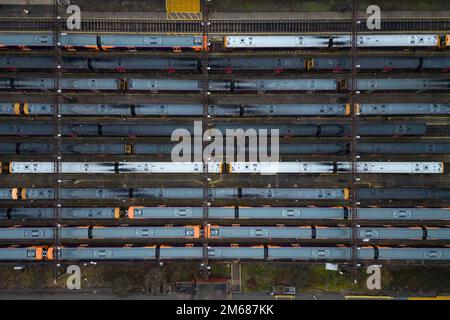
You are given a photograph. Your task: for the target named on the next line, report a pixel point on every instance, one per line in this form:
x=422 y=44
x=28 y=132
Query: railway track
x=226 y=26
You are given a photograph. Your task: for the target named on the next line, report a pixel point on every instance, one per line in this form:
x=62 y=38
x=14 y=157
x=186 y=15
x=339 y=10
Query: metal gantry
x=205 y=125
x=354 y=139
x=57 y=134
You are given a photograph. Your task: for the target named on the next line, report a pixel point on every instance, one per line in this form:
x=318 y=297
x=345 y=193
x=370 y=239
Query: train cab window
x=31 y=254
x=214 y=232
x=189 y=233
x=197 y=41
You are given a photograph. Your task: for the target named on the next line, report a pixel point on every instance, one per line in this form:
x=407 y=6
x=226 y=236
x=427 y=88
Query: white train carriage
x=114 y=167
x=335 y=167
x=339 y=41
x=280 y=167
x=398 y=40
x=371 y=109
x=400 y=167
x=300 y=41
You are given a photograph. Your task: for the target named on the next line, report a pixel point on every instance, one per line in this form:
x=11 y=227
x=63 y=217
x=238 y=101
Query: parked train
x=384 y=193
x=226 y=213
x=336 y=64
x=161 y=129
x=176 y=193
x=99 y=232
x=42 y=148
x=263 y=253
x=288 y=213
x=64 y=213
x=22 y=167
x=261 y=110
x=244 y=85
x=225 y=233
x=113 y=167
x=228 y=65
x=338 y=41
x=334 y=167
x=330 y=233
x=42 y=109
x=13 y=63
x=72 y=41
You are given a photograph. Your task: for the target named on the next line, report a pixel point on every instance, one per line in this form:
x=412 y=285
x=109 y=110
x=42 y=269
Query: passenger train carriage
x=228 y=213
x=339 y=41
x=218 y=167
x=263 y=253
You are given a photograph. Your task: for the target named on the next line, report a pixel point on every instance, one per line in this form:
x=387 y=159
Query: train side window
x=31 y=254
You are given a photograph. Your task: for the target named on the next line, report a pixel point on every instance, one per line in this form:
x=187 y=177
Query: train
x=70 y=148
x=262 y=253
x=27 y=167
x=227 y=65
x=73 y=41
x=253 y=110
x=242 y=85
x=334 y=167
x=113 y=167
x=226 y=213
x=161 y=129
x=45 y=109
x=100 y=232
x=336 y=41
x=225 y=233
x=176 y=193
x=363 y=193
